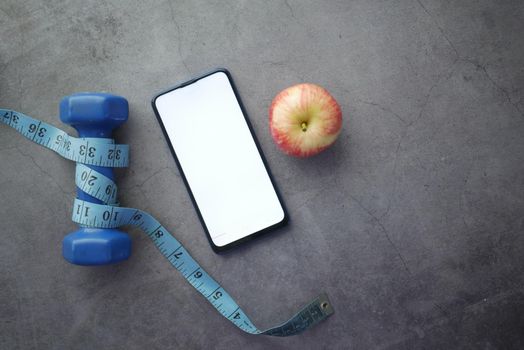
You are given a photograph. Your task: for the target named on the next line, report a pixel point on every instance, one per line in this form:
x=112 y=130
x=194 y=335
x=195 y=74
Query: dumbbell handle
x=85 y=131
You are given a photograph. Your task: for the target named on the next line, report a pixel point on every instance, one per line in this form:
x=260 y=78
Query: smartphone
x=220 y=159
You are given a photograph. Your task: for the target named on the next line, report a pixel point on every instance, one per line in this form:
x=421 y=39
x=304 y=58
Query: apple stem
x=304 y=126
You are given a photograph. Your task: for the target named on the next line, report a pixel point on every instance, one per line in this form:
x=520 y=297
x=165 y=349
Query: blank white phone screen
x=219 y=158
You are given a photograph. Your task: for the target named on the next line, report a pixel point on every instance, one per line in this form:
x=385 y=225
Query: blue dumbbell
x=95 y=115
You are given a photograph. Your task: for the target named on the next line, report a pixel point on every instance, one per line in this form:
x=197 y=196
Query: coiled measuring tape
x=105 y=153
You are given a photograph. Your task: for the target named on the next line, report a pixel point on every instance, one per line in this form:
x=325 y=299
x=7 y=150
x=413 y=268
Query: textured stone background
x=412 y=223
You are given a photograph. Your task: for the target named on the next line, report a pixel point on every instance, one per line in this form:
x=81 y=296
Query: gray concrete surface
x=412 y=222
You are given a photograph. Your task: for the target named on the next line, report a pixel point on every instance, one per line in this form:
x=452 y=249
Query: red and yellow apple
x=304 y=120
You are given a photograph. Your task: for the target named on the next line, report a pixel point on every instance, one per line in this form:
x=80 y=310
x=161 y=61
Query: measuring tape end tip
x=325 y=304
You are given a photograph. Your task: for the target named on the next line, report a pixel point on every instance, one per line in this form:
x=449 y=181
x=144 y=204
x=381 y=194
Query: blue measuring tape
x=105 y=153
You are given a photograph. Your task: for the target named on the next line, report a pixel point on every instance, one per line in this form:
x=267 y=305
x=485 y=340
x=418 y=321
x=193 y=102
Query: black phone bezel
x=218 y=249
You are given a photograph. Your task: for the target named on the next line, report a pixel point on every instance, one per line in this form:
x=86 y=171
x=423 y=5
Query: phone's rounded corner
x=228 y=75
x=154 y=98
x=222 y=70
x=285 y=218
x=285 y=214
x=218 y=249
